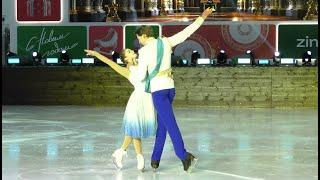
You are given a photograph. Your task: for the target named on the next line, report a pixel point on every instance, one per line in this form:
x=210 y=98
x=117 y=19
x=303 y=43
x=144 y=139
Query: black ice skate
x=189 y=163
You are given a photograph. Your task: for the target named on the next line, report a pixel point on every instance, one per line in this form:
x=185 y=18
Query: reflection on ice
x=76 y=143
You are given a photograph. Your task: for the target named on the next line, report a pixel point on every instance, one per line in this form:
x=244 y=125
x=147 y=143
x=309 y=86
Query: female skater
x=139 y=119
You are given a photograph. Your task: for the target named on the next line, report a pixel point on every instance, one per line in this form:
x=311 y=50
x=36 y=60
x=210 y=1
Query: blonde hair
x=123 y=55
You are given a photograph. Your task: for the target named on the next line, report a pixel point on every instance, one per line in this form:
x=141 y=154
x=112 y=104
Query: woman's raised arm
x=121 y=70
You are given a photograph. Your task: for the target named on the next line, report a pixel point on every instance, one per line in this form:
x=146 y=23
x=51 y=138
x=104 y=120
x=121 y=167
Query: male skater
x=155 y=57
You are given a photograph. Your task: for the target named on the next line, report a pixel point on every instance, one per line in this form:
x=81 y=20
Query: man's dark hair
x=147 y=30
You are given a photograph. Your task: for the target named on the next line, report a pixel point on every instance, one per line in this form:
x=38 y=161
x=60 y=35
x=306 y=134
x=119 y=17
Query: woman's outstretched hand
x=91 y=53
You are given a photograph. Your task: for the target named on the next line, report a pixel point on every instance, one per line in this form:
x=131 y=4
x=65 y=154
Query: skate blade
x=142 y=170
x=193 y=165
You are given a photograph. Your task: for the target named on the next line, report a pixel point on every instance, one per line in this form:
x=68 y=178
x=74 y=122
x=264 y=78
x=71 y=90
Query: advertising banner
x=235 y=39
x=294 y=40
x=38 y=10
x=105 y=39
x=51 y=40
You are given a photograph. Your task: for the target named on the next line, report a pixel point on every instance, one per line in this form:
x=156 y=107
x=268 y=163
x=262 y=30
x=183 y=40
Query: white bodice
x=138 y=85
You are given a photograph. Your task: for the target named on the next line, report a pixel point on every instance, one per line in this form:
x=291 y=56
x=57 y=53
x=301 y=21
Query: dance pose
x=154 y=58
x=139 y=119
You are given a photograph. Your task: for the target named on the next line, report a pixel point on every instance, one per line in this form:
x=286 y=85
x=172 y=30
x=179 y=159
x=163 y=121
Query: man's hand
x=91 y=53
x=206 y=13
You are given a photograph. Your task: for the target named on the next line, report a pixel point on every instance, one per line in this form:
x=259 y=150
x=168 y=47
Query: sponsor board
x=51 y=40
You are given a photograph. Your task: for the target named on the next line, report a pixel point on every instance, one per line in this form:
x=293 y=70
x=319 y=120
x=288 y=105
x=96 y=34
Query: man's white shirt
x=148 y=57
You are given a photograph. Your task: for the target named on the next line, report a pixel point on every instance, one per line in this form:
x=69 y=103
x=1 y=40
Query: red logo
x=194 y=43
x=243 y=36
x=105 y=39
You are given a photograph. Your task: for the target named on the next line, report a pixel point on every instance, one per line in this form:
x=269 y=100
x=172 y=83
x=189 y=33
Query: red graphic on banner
x=38 y=10
x=105 y=39
x=235 y=39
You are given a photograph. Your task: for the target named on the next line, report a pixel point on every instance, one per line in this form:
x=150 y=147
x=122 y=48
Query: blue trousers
x=162 y=101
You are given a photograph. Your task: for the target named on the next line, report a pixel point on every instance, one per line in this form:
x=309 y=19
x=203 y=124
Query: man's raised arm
x=184 y=34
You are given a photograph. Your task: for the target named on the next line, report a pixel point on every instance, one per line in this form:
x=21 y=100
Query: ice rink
x=76 y=142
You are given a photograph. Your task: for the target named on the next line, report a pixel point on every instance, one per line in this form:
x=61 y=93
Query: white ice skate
x=140 y=160
x=117 y=157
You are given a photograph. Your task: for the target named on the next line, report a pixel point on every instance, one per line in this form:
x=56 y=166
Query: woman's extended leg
x=137 y=145
x=126 y=142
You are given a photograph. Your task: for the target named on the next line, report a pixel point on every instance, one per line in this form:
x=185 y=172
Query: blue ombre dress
x=139 y=119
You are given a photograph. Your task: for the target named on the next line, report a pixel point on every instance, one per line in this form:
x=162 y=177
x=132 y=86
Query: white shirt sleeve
x=142 y=65
x=187 y=32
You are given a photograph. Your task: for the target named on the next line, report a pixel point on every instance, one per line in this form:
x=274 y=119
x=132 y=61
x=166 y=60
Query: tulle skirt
x=139 y=119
